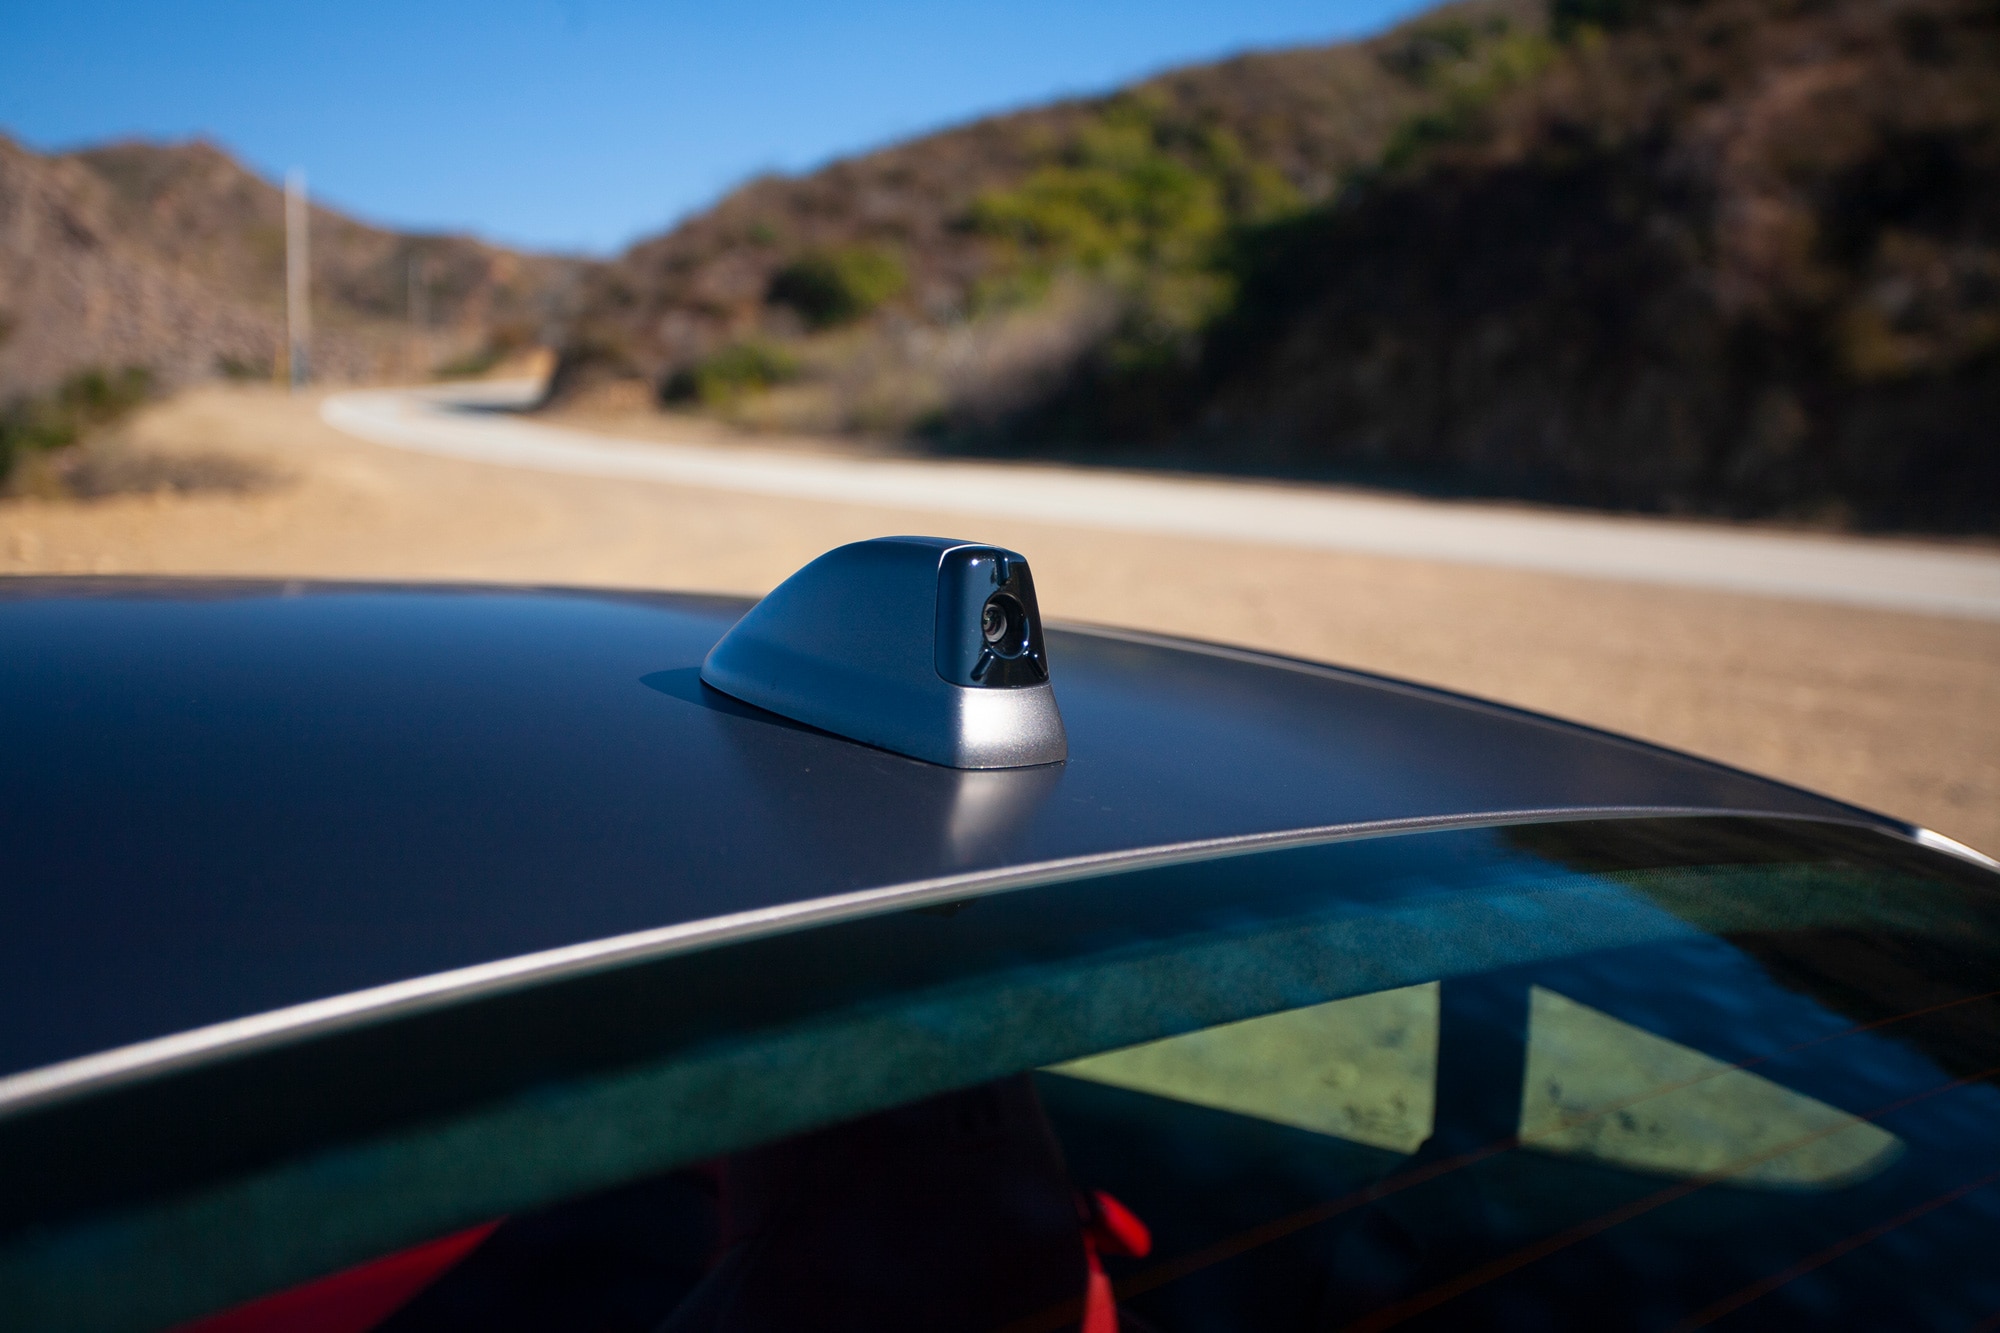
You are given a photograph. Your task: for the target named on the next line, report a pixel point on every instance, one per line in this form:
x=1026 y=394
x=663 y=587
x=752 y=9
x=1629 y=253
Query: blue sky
x=583 y=124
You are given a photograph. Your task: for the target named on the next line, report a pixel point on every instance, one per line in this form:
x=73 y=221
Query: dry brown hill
x=171 y=257
x=1734 y=257
x=1272 y=129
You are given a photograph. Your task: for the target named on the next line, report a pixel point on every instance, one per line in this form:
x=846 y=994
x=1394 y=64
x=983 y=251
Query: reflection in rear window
x=1656 y=1074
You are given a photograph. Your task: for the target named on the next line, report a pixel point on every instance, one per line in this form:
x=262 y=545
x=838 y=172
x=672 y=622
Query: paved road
x=463 y=422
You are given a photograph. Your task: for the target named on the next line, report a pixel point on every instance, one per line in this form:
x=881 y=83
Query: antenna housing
x=922 y=645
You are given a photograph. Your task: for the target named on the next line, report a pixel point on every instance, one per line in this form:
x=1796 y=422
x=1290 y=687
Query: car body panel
x=226 y=799
x=132 y=1204
x=345 y=916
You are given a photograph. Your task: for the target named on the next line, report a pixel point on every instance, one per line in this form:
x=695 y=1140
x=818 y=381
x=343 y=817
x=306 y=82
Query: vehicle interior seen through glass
x=1639 y=1073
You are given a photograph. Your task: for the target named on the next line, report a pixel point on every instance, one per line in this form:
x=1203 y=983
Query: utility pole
x=298 y=315
x=419 y=305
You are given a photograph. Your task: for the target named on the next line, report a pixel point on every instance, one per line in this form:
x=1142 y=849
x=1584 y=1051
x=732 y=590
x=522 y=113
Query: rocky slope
x=1736 y=257
x=1253 y=135
x=171 y=258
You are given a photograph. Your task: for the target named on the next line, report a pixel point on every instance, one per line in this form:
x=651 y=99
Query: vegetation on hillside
x=1141 y=202
x=87 y=401
x=68 y=443
x=1736 y=257
x=829 y=288
x=963 y=266
x=724 y=378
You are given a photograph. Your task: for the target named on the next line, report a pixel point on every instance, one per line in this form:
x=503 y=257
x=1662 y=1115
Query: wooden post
x=298 y=314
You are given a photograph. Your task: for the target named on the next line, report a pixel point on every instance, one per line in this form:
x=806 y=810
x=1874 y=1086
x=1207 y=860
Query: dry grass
x=1899 y=712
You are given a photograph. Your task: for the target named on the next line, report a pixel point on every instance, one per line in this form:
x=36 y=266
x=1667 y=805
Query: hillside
x=1739 y=257
x=170 y=257
x=1736 y=257
x=938 y=221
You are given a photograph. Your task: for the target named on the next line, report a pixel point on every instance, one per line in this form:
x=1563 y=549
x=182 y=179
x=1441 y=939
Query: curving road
x=470 y=422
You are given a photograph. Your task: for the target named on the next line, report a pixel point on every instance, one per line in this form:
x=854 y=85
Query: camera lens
x=993 y=622
x=1003 y=623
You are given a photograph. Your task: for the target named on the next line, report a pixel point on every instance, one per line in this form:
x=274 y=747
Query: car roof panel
x=226 y=798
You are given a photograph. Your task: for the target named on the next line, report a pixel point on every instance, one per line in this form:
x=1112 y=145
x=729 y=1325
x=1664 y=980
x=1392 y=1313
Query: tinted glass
x=1646 y=1074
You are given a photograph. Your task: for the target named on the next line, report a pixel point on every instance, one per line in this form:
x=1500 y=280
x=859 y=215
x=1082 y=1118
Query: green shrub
x=86 y=401
x=1130 y=192
x=726 y=377
x=833 y=287
x=97 y=397
x=468 y=365
x=1150 y=211
x=241 y=368
x=1140 y=198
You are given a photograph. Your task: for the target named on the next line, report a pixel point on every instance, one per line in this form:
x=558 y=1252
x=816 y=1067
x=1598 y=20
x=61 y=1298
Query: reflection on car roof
x=227 y=798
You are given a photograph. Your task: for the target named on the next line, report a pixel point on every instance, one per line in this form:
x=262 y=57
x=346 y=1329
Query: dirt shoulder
x=1899 y=712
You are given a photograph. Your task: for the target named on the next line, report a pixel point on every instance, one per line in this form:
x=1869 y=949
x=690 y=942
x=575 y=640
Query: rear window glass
x=1658 y=1074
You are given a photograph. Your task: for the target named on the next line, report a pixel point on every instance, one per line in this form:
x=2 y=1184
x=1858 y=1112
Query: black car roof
x=226 y=798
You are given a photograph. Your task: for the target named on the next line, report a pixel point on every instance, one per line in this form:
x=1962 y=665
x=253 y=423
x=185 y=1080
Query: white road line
x=1899 y=576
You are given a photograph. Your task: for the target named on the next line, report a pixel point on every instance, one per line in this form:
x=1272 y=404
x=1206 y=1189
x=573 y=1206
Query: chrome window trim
x=39 y=1087
x=1937 y=842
